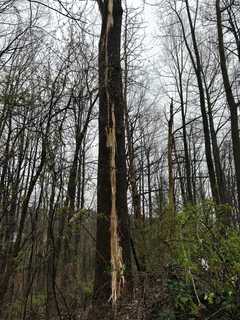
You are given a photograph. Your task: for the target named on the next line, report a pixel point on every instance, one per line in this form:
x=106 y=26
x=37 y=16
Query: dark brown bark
x=231 y=103
x=112 y=181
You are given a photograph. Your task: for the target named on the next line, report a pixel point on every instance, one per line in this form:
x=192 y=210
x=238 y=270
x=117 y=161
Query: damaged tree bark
x=113 y=263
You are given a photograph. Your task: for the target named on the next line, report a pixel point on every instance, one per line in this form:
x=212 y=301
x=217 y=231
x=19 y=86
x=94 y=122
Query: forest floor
x=149 y=299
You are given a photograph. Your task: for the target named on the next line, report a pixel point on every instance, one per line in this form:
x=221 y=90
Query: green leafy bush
x=208 y=259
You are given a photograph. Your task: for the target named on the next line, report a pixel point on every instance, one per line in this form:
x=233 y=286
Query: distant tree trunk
x=113 y=263
x=179 y=173
x=231 y=103
x=150 y=201
x=171 y=198
x=70 y=201
x=51 y=263
x=136 y=199
x=11 y=266
x=196 y=62
x=193 y=159
x=186 y=151
x=220 y=177
x=83 y=179
x=142 y=180
x=216 y=155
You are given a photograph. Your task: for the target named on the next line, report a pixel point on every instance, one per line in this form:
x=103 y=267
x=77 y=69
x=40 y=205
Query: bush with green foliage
x=208 y=262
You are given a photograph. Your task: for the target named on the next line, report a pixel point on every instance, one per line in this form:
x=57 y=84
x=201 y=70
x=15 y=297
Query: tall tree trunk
x=171 y=198
x=220 y=177
x=113 y=263
x=136 y=198
x=185 y=144
x=197 y=65
x=231 y=103
x=179 y=174
x=150 y=201
x=132 y=176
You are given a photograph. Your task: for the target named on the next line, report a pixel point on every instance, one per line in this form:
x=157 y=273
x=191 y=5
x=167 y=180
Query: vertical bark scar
x=116 y=250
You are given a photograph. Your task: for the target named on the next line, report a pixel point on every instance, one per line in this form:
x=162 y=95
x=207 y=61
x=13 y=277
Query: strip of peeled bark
x=116 y=250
